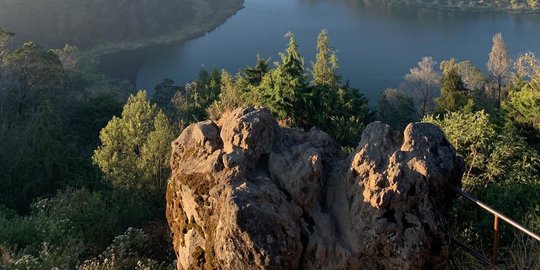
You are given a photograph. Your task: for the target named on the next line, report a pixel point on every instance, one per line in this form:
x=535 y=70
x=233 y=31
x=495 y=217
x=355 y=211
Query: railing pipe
x=497 y=214
x=495 y=240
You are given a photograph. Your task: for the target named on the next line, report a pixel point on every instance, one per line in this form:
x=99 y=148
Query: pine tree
x=453 y=91
x=254 y=75
x=326 y=65
x=284 y=88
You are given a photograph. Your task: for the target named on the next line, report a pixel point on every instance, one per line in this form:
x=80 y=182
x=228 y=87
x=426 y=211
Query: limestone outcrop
x=246 y=193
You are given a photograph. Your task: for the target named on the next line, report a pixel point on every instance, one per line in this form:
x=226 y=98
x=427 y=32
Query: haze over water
x=377 y=43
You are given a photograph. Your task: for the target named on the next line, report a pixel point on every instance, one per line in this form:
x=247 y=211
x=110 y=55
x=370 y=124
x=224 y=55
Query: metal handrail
x=497 y=216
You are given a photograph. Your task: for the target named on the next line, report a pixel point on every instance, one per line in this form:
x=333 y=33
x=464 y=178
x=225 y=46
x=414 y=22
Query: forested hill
x=507 y=5
x=87 y=23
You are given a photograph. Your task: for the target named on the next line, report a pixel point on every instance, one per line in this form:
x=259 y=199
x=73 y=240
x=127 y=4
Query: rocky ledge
x=246 y=193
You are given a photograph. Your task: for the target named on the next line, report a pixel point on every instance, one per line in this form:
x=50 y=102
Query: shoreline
x=200 y=26
x=462 y=9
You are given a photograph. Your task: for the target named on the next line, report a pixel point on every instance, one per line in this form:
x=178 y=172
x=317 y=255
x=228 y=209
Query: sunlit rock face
x=246 y=193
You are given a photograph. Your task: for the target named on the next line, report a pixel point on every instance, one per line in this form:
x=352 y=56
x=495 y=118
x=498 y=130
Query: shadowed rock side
x=248 y=194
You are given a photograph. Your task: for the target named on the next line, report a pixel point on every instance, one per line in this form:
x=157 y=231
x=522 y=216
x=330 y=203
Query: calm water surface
x=377 y=44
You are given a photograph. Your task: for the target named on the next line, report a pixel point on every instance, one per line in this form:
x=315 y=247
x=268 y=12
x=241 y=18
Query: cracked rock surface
x=246 y=193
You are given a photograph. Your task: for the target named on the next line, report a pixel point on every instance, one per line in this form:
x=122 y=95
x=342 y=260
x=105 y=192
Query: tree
x=283 y=88
x=324 y=69
x=135 y=147
x=233 y=95
x=154 y=158
x=471 y=134
x=33 y=75
x=68 y=56
x=40 y=159
x=473 y=78
x=424 y=81
x=522 y=108
x=453 y=92
x=254 y=75
x=499 y=64
x=493 y=153
x=163 y=94
x=396 y=109
x=527 y=68
x=191 y=102
x=533 y=4
x=350 y=114
x=5 y=37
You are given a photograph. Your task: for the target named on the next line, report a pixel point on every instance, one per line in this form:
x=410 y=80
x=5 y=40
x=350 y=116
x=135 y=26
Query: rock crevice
x=247 y=194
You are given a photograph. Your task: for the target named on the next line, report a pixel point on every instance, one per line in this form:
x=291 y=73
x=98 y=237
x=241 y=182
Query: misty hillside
x=54 y=23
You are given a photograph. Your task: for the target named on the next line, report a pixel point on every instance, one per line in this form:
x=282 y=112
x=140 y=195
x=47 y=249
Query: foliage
x=471 y=135
x=41 y=161
x=126 y=252
x=135 y=147
x=396 y=109
x=48 y=125
x=522 y=108
x=233 y=91
x=190 y=104
x=51 y=115
x=254 y=75
x=74 y=224
x=283 y=87
x=454 y=95
x=324 y=69
x=492 y=153
x=324 y=102
x=163 y=94
x=500 y=168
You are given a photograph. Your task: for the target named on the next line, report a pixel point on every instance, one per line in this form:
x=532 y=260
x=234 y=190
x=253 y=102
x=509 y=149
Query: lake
x=377 y=43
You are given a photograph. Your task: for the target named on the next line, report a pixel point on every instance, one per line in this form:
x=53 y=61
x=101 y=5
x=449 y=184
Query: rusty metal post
x=495 y=240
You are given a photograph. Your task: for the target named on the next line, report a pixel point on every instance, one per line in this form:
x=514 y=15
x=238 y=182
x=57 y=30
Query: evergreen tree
x=163 y=94
x=284 y=88
x=190 y=104
x=233 y=95
x=453 y=91
x=203 y=76
x=254 y=75
x=326 y=65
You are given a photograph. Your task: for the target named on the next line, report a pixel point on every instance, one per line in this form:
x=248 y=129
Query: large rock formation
x=247 y=194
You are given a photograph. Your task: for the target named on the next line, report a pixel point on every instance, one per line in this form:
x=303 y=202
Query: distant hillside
x=91 y=23
x=507 y=5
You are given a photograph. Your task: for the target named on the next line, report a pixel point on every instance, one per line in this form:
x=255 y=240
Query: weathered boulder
x=247 y=194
